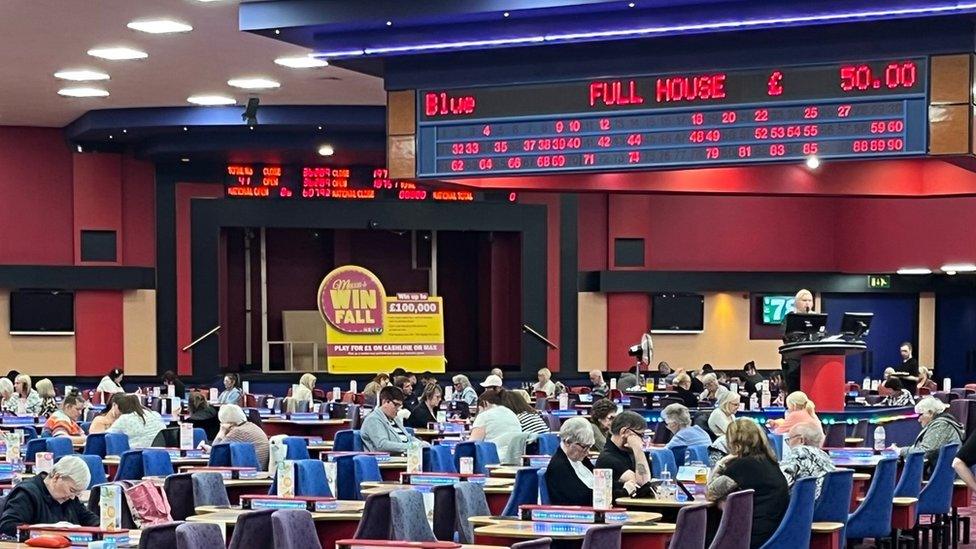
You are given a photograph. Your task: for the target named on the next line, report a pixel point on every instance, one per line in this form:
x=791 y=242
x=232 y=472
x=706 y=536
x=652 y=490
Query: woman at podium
x=803 y=304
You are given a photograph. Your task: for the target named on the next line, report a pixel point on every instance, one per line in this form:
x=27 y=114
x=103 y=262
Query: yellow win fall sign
x=367 y=332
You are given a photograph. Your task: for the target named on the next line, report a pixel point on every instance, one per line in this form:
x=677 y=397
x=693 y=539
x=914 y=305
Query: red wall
x=138 y=213
x=98 y=332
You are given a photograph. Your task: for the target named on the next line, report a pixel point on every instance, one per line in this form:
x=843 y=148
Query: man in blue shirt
x=678 y=421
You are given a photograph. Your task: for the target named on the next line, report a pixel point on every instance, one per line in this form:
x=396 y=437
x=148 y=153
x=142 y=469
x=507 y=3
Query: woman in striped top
x=530 y=418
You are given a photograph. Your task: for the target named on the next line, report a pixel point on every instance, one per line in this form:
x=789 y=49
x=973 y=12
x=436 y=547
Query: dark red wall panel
x=138 y=213
x=36 y=210
x=98 y=199
x=593 y=231
x=628 y=315
x=98 y=332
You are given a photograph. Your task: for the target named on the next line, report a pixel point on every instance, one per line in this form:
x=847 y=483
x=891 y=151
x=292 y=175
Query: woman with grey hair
x=50 y=497
x=714 y=390
x=234 y=427
x=939 y=428
x=678 y=420
x=463 y=390
x=724 y=413
x=569 y=475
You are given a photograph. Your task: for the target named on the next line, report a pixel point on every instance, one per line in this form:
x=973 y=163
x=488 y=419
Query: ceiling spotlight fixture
x=301 y=62
x=117 y=54
x=81 y=75
x=914 y=271
x=184 y=159
x=254 y=83
x=959 y=267
x=82 y=92
x=389 y=23
x=326 y=150
x=506 y=14
x=813 y=162
x=211 y=100
x=277 y=31
x=950 y=273
x=630 y=5
x=159 y=26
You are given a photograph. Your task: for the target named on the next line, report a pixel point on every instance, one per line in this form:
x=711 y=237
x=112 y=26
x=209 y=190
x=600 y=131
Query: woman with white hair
x=50 y=497
x=939 y=428
x=714 y=390
x=545 y=384
x=463 y=390
x=569 y=475
x=724 y=413
x=234 y=427
x=678 y=420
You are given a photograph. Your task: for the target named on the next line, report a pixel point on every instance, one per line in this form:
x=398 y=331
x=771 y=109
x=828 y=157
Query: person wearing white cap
x=492 y=383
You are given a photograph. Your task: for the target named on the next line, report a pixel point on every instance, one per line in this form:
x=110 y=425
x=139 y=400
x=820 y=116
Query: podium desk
x=823 y=369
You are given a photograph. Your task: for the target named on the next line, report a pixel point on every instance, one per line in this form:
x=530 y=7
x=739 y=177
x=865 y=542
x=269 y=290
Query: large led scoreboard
x=863 y=109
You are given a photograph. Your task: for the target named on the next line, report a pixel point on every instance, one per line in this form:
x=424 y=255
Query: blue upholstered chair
x=209 y=489
x=348 y=440
x=156 y=462
x=910 y=482
x=661 y=459
x=835 y=498
x=116 y=444
x=296 y=448
x=130 y=466
x=872 y=518
x=543 y=488
x=346 y=478
x=310 y=479
x=30 y=432
x=219 y=455
x=464 y=449
x=243 y=454
x=199 y=435
x=548 y=443
x=95 y=445
x=794 y=529
x=777 y=443
x=698 y=452
x=679 y=456
x=470 y=501
x=408 y=517
x=935 y=499
x=96 y=468
x=365 y=469
x=33 y=447
x=441 y=459
x=524 y=492
x=485 y=453
x=375 y=522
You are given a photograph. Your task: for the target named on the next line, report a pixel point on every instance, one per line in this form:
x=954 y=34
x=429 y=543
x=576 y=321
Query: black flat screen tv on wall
x=42 y=312
x=677 y=313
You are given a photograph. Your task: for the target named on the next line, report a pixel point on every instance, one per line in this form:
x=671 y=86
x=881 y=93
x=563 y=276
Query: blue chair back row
x=348 y=440
x=872 y=519
x=233 y=454
x=794 y=530
x=936 y=497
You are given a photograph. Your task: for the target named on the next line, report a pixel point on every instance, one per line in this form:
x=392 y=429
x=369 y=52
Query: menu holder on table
x=308 y=503
x=229 y=473
x=18 y=420
x=381 y=457
x=79 y=535
x=304 y=416
x=437 y=479
x=572 y=513
x=189 y=453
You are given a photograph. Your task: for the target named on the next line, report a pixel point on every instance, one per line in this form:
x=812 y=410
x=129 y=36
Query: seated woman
x=529 y=418
x=545 y=384
x=170 y=378
x=232 y=390
x=50 y=497
x=234 y=427
x=682 y=385
x=925 y=380
x=713 y=389
x=601 y=417
x=382 y=429
x=569 y=475
x=899 y=395
x=939 y=428
x=106 y=417
x=724 y=413
x=112 y=383
x=64 y=422
x=494 y=422
x=678 y=420
x=426 y=411
x=751 y=465
x=799 y=409
x=805 y=458
x=24 y=401
x=372 y=389
x=140 y=424
x=464 y=391
x=303 y=391
x=203 y=415
x=49 y=403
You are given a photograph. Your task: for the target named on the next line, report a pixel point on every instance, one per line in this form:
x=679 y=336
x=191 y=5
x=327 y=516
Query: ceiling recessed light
x=914 y=271
x=211 y=100
x=959 y=267
x=83 y=92
x=159 y=26
x=389 y=23
x=277 y=31
x=117 y=54
x=254 y=83
x=81 y=75
x=630 y=5
x=326 y=150
x=301 y=62
x=184 y=159
x=813 y=162
x=506 y=14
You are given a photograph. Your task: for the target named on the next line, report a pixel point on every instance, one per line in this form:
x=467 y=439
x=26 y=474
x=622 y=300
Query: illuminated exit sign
x=881 y=282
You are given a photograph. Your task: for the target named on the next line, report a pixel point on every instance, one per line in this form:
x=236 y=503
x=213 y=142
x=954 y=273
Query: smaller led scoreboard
x=863 y=109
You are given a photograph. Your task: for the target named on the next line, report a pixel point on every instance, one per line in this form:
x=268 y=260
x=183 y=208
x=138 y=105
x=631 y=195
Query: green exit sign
x=879 y=281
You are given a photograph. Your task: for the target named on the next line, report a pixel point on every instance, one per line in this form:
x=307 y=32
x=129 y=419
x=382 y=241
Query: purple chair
x=375 y=523
x=294 y=528
x=689 y=531
x=159 y=535
x=179 y=493
x=209 y=489
x=553 y=421
x=408 y=516
x=199 y=535
x=735 y=529
x=541 y=543
x=604 y=536
x=253 y=529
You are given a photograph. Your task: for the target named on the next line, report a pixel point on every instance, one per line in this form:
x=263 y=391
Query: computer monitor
x=805 y=326
x=856 y=325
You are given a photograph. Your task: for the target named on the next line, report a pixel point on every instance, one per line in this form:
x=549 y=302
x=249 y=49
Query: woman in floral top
x=25 y=401
x=45 y=389
x=899 y=395
x=805 y=458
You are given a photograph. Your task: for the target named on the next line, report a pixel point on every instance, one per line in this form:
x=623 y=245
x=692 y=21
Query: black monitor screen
x=677 y=312
x=42 y=312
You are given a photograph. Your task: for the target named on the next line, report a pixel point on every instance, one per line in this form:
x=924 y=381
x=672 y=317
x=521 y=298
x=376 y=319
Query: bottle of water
x=879 y=438
x=667 y=489
x=753 y=402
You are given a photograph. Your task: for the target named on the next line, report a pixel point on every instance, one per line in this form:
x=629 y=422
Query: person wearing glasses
x=624 y=455
x=569 y=475
x=601 y=416
x=805 y=458
x=678 y=420
x=383 y=430
x=50 y=497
